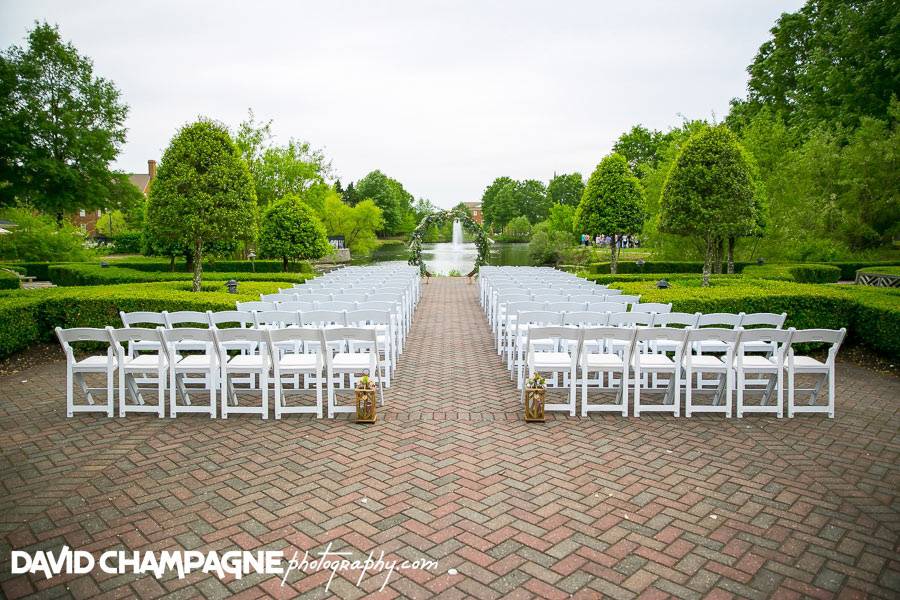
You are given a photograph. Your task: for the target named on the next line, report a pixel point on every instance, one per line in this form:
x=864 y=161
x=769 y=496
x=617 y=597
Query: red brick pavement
x=590 y=507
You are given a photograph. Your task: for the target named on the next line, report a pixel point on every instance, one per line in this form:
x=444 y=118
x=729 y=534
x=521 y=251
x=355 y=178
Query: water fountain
x=457 y=233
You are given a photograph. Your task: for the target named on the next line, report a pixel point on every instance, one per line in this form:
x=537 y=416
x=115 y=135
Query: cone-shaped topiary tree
x=290 y=230
x=612 y=204
x=203 y=194
x=710 y=192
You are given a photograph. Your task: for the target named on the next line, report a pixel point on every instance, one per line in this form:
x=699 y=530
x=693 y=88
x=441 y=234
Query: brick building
x=87 y=219
x=475 y=207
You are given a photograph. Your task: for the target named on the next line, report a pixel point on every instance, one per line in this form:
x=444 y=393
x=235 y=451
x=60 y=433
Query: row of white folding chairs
x=378 y=318
x=505 y=328
x=498 y=319
x=272 y=360
x=579 y=286
x=488 y=282
x=496 y=308
x=628 y=356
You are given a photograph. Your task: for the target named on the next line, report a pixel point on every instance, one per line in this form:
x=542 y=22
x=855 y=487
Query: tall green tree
x=291 y=231
x=60 y=128
x=203 y=193
x=390 y=196
x=497 y=210
x=566 y=189
x=710 y=192
x=613 y=204
x=832 y=61
x=643 y=148
x=358 y=224
x=279 y=171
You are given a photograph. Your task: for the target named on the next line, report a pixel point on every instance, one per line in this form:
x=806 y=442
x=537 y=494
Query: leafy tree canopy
x=391 y=197
x=203 y=193
x=566 y=189
x=291 y=231
x=60 y=128
x=37 y=237
x=358 y=224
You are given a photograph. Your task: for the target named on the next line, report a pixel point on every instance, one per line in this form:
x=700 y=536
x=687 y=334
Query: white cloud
x=444 y=96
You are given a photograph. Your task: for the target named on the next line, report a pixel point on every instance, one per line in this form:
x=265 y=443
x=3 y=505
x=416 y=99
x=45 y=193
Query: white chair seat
x=145 y=360
x=195 y=361
x=704 y=361
x=248 y=361
x=654 y=360
x=347 y=360
x=297 y=361
x=551 y=360
x=758 y=362
x=806 y=362
x=93 y=363
x=604 y=360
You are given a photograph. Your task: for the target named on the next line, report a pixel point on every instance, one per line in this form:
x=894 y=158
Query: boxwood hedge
x=8 y=280
x=29 y=316
x=658 y=266
x=72 y=274
x=801 y=273
x=41 y=270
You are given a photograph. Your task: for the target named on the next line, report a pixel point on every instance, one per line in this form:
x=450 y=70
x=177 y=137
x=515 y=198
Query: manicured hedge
x=92 y=274
x=229 y=266
x=8 y=281
x=882 y=270
x=29 y=316
x=849 y=269
x=871 y=315
x=801 y=273
x=658 y=266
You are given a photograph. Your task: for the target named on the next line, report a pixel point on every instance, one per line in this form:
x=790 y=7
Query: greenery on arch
x=482 y=242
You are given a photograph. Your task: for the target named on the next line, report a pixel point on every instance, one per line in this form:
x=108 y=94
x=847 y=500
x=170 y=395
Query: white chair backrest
x=133 y=319
x=817 y=336
x=191 y=317
x=315 y=298
x=764 y=319
x=279 y=337
x=585 y=318
x=225 y=317
x=539 y=317
x=349 y=297
x=568 y=339
x=609 y=307
x=323 y=318
x=350 y=335
x=627 y=298
x=514 y=307
x=227 y=337
x=719 y=334
x=336 y=306
x=280 y=297
x=601 y=336
x=295 y=306
x=360 y=318
x=192 y=334
x=719 y=319
x=654 y=307
x=134 y=334
x=630 y=319
x=766 y=335
x=613 y=292
x=277 y=318
x=566 y=306
x=255 y=306
x=67 y=337
x=675 y=318
x=655 y=334
x=375 y=305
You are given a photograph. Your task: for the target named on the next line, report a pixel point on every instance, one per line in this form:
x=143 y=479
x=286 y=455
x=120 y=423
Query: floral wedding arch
x=482 y=242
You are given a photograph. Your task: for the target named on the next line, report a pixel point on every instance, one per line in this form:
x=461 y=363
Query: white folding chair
x=697 y=363
x=276 y=319
x=509 y=330
x=766 y=320
x=279 y=297
x=382 y=323
x=309 y=365
x=561 y=358
x=607 y=307
x=143 y=319
x=356 y=360
x=204 y=363
x=76 y=369
x=626 y=299
x=771 y=367
x=807 y=365
x=654 y=307
x=525 y=321
x=605 y=362
x=295 y=306
x=647 y=362
x=143 y=361
x=255 y=306
x=252 y=364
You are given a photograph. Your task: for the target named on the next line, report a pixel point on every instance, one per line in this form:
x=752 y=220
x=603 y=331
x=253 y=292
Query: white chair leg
x=831 y=393
x=122 y=377
x=264 y=384
x=161 y=392
x=688 y=395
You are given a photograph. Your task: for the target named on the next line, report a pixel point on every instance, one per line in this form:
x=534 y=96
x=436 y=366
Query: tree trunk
x=614 y=256
x=707 y=262
x=172 y=263
x=284 y=264
x=189 y=261
x=198 y=265
x=731 y=255
x=720 y=250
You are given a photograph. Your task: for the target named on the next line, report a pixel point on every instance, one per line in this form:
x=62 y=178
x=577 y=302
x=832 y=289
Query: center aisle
x=450 y=368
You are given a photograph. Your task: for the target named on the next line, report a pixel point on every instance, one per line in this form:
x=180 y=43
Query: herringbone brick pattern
x=603 y=506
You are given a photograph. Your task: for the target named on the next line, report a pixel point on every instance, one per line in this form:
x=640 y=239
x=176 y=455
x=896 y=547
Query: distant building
x=475 y=208
x=87 y=219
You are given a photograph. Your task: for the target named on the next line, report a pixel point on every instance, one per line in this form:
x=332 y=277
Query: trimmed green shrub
x=882 y=270
x=92 y=274
x=657 y=266
x=871 y=315
x=29 y=316
x=129 y=242
x=803 y=273
x=8 y=281
x=212 y=265
x=849 y=269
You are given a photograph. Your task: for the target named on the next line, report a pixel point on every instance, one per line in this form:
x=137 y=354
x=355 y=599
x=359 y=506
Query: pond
x=442 y=258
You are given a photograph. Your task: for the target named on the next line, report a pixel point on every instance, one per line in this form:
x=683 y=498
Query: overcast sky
x=444 y=96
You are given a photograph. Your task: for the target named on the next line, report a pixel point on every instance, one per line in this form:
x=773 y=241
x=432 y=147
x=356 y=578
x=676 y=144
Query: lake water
x=443 y=258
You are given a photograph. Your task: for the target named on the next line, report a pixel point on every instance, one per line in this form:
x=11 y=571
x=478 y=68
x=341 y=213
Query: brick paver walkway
x=654 y=506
